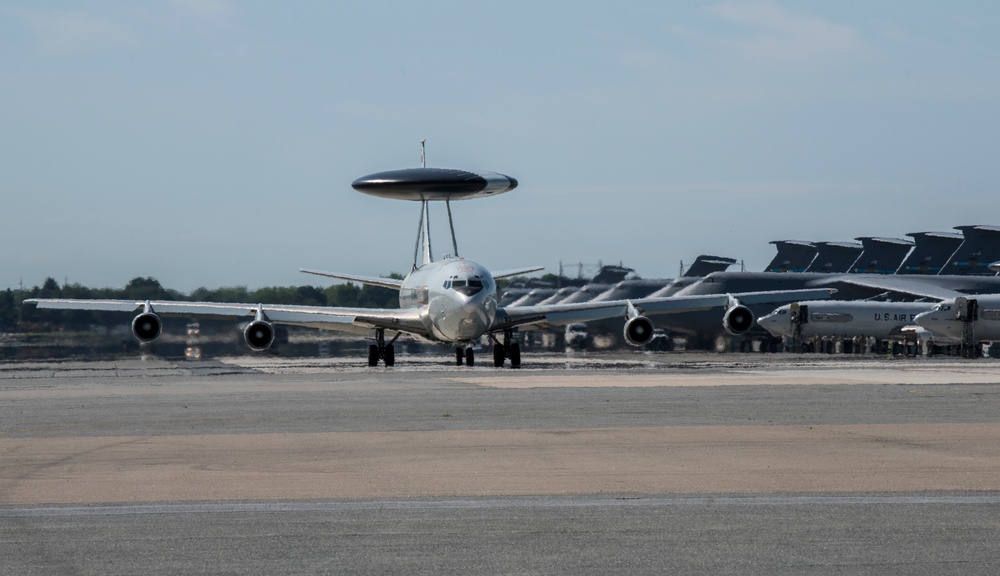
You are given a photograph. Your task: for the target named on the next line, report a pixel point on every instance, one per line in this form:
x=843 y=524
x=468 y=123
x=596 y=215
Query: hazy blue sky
x=213 y=142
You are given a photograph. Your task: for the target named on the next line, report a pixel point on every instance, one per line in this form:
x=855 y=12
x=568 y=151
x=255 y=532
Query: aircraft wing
x=369 y=280
x=903 y=285
x=674 y=304
x=556 y=314
x=561 y=314
x=784 y=296
x=356 y=320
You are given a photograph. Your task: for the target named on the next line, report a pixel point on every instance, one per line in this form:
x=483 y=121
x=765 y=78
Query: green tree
x=343 y=294
x=140 y=288
x=8 y=310
x=310 y=296
x=50 y=289
x=223 y=294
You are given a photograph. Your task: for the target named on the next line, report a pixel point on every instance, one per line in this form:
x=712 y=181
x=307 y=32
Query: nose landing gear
x=465 y=355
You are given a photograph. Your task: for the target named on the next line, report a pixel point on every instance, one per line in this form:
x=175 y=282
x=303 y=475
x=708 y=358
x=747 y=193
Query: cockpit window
x=465 y=286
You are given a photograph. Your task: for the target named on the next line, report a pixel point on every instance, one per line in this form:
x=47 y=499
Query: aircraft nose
x=471 y=306
x=477 y=307
x=925 y=320
x=770 y=323
x=939 y=324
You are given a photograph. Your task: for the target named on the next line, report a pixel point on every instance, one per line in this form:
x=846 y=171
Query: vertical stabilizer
x=832 y=257
x=792 y=256
x=881 y=255
x=705 y=265
x=930 y=253
x=980 y=248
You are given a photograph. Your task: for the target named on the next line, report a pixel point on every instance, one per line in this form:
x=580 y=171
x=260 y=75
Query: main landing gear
x=505 y=350
x=381 y=350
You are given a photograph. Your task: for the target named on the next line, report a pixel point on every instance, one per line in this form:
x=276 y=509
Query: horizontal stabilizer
x=369 y=280
x=516 y=272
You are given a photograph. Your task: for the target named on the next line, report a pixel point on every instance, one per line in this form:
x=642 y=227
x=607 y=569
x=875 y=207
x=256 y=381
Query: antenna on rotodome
x=423 y=161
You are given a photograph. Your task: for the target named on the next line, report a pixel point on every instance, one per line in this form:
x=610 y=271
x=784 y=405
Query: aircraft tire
x=372 y=355
x=470 y=357
x=515 y=355
x=499 y=355
x=390 y=355
x=459 y=356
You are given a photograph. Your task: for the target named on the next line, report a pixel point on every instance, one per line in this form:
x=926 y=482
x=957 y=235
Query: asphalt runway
x=581 y=464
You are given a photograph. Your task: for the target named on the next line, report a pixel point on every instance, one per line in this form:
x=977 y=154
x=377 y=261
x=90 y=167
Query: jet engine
x=146 y=327
x=638 y=331
x=259 y=335
x=737 y=319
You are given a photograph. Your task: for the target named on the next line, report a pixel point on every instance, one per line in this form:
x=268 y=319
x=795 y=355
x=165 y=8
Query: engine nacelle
x=638 y=331
x=737 y=320
x=146 y=327
x=259 y=335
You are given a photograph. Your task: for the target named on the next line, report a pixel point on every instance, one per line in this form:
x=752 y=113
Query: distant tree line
x=15 y=315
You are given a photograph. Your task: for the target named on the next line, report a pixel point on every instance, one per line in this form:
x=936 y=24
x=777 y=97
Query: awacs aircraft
x=452 y=300
x=846 y=319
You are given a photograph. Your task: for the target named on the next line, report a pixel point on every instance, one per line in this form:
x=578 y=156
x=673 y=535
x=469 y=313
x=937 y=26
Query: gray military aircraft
x=642 y=288
x=846 y=319
x=608 y=275
x=702 y=266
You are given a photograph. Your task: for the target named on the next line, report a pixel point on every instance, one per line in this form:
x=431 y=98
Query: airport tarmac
x=692 y=463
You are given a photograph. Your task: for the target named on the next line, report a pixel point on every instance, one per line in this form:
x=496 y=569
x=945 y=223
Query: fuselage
x=457 y=298
x=844 y=319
